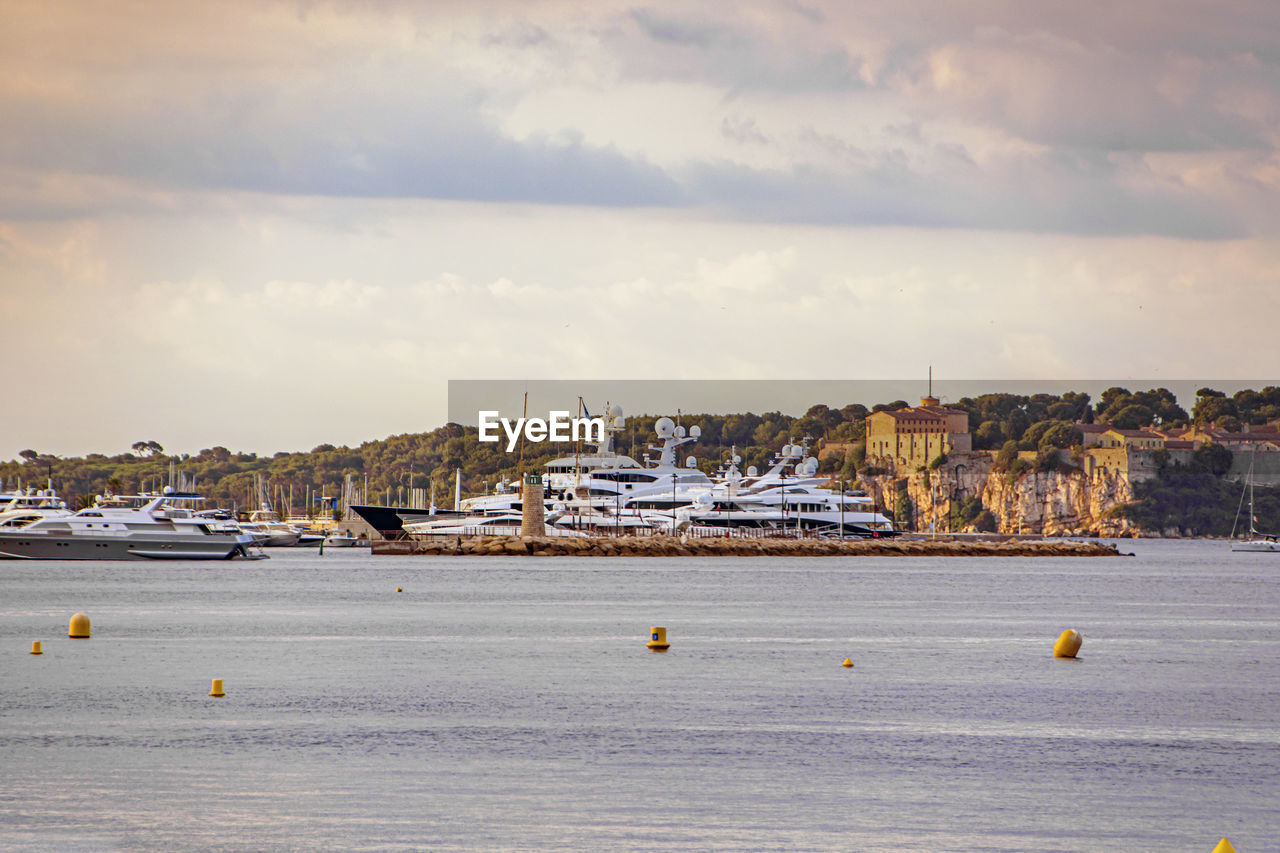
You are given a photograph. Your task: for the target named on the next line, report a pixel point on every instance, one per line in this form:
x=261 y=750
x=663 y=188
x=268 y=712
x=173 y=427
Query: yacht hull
x=15 y=546
x=1264 y=546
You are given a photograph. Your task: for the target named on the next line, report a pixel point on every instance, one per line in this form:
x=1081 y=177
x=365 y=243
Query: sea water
x=510 y=703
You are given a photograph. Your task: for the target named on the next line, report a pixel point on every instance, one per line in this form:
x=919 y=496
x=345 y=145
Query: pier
x=672 y=546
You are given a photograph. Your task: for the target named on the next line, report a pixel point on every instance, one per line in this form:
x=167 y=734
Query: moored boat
x=1254 y=541
x=139 y=527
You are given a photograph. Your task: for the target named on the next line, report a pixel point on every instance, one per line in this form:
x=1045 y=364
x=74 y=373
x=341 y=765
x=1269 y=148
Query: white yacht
x=344 y=539
x=135 y=527
x=603 y=491
x=559 y=476
x=782 y=501
x=491 y=524
x=274 y=532
x=662 y=485
x=19 y=508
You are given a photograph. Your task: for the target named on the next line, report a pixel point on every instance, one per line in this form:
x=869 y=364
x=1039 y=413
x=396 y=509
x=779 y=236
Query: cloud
x=1048 y=192
x=681 y=32
x=1104 y=121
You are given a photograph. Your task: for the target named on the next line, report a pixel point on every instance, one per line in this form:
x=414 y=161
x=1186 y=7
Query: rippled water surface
x=510 y=704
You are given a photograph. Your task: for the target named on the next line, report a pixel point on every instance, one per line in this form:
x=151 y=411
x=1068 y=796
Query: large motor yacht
x=561 y=476
x=134 y=527
x=19 y=508
x=790 y=496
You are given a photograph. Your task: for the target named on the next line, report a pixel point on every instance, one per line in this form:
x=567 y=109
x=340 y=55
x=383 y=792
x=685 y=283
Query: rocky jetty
x=667 y=546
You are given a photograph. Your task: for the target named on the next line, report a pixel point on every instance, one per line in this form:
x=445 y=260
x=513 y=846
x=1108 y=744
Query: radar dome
x=695 y=431
x=786 y=450
x=796 y=451
x=691 y=462
x=665 y=427
x=680 y=433
x=614 y=411
x=752 y=472
x=737 y=460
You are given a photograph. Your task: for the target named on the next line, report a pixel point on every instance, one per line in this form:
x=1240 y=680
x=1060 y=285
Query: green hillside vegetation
x=1195 y=500
x=1041 y=422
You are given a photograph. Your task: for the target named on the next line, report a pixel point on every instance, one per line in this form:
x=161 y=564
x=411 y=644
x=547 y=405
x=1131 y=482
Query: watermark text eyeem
x=558 y=427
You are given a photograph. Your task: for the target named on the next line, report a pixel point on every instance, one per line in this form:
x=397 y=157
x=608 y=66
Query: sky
x=268 y=226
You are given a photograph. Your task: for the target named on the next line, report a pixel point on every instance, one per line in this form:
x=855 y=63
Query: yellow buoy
x=657 y=640
x=1068 y=644
x=79 y=629
x=847 y=662
x=35 y=648
x=1224 y=846
x=398 y=589
x=216 y=689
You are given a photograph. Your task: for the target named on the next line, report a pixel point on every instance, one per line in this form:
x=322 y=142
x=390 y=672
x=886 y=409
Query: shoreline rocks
x=667 y=546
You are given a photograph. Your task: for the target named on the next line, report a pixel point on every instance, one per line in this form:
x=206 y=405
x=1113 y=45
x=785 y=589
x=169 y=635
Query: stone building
x=912 y=437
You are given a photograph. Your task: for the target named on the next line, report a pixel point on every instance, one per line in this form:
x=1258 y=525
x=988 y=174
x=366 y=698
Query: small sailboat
x=1255 y=541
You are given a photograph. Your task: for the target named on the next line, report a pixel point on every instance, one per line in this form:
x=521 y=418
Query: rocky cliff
x=1056 y=502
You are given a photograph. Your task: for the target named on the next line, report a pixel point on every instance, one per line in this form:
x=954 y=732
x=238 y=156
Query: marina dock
x=668 y=546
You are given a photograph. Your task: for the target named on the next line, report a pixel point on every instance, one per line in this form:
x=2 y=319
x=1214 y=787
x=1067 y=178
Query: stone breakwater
x=666 y=546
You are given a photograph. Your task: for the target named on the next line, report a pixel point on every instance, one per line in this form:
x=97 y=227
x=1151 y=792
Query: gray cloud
x=454 y=156
x=435 y=148
x=1069 y=104
x=1179 y=76
x=685 y=33
x=1055 y=193
x=731 y=54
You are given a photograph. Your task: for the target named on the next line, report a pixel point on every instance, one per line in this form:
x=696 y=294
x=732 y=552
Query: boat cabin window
x=620 y=477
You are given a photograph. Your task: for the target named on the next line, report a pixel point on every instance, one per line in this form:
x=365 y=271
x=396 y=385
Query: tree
x=1072 y=407
x=1016 y=424
x=1061 y=435
x=988 y=436
x=1210 y=407
x=904 y=510
x=1048 y=458
x=29 y=455
x=825 y=415
x=1007 y=456
x=1133 y=416
x=1230 y=423
x=1213 y=458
